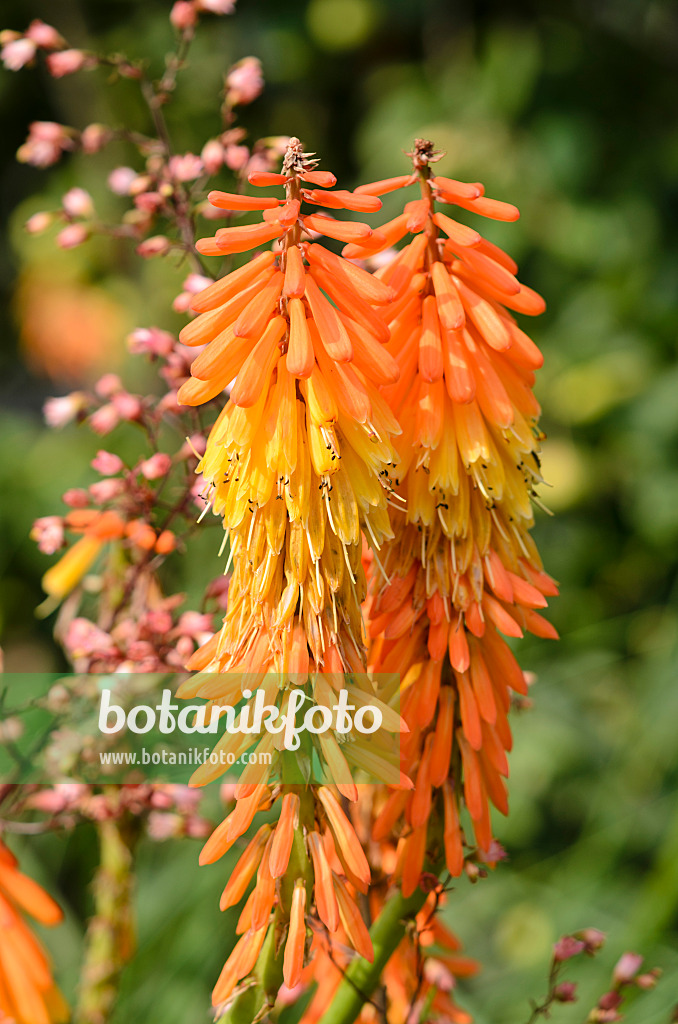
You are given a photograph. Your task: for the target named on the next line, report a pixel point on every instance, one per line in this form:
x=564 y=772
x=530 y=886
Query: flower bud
x=48 y=533
x=107 y=463
x=94 y=137
x=626 y=968
x=157 y=245
x=565 y=992
x=567 y=947
x=183 y=15
x=39 y=222
x=77 y=202
x=67 y=62
x=44 y=36
x=60 y=411
x=244 y=81
x=71 y=236
x=17 y=53
x=212 y=156
x=120 y=180
x=158 y=465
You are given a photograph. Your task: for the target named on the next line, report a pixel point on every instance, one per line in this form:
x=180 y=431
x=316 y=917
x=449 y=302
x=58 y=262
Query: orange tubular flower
x=28 y=994
x=463 y=568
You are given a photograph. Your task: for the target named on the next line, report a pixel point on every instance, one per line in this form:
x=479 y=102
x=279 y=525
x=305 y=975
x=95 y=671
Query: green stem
x=362 y=978
x=109 y=942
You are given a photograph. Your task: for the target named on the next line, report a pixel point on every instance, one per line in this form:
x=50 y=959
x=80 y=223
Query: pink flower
x=194 y=624
x=108 y=385
x=150 y=340
x=38 y=222
x=104 y=420
x=164 y=826
x=60 y=411
x=157 y=245
x=106 y=490
x=216 y=6
x=212 y=156
x=185 y=168
x=183 y=15
x=44 y=36
x=158 y=621
x=158 y=465
x=592 y=938
x=77 y=203
x=236 y=157
x=128 y=407
x=107 y=463
x=46 y=141
x=67 y=62
x=149 y=202
x=83 y=638
x=567 y=947
x=196 y=283
x=244 y=81
x=566 y=992
x=17 y=53
x=94 y=137
x=120 y=180
x=48 y=533
x=75 y=497
x=71 y=236
x=626 y=968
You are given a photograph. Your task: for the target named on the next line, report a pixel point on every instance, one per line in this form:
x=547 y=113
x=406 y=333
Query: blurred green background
x=567 y=110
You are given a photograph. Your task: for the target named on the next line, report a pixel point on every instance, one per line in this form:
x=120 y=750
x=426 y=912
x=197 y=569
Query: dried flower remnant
x=462 y=568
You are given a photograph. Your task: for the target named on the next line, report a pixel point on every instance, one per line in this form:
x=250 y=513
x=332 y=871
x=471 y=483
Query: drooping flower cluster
x=463 y=571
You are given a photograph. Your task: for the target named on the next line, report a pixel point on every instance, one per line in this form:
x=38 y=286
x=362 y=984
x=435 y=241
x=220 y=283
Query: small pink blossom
x=46 y=141
x=75 y=497
x=71 y=236
x=157 y=245
x=39 y=222
x=48 y=533
x=185 y=168
x=151 y=340
x=120 y=180
x=236 y=157
x=212 y=156
x=158 y=621
x=566 y=992
x=158 y=465
x=593 y=938
x=194 y=624
x=44 y=36
x=567 y=947
x=106 y=490
x=127 y=406
x=149 y=202
x=67 y=62
x=244 y=82
x=626 y=968
x=216 y=6
x=60 y=411
x=164 y=826
x=107 y=463
x=108 y=385
x=94 y=137
x=104 y=419
x=17 y=53
x=77 y=202
x=83 y=638
x=183 y=15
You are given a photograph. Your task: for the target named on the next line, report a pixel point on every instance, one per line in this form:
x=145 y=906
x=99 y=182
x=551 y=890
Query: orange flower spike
x=224 y=356
x=295 y=274
x=351 y=305
x=209 y=325
x=286 y=215
x=344 y=836
x=325 y=897
x=245 y=868
x=293 y=960
x=352 y=922
x=283 y=836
